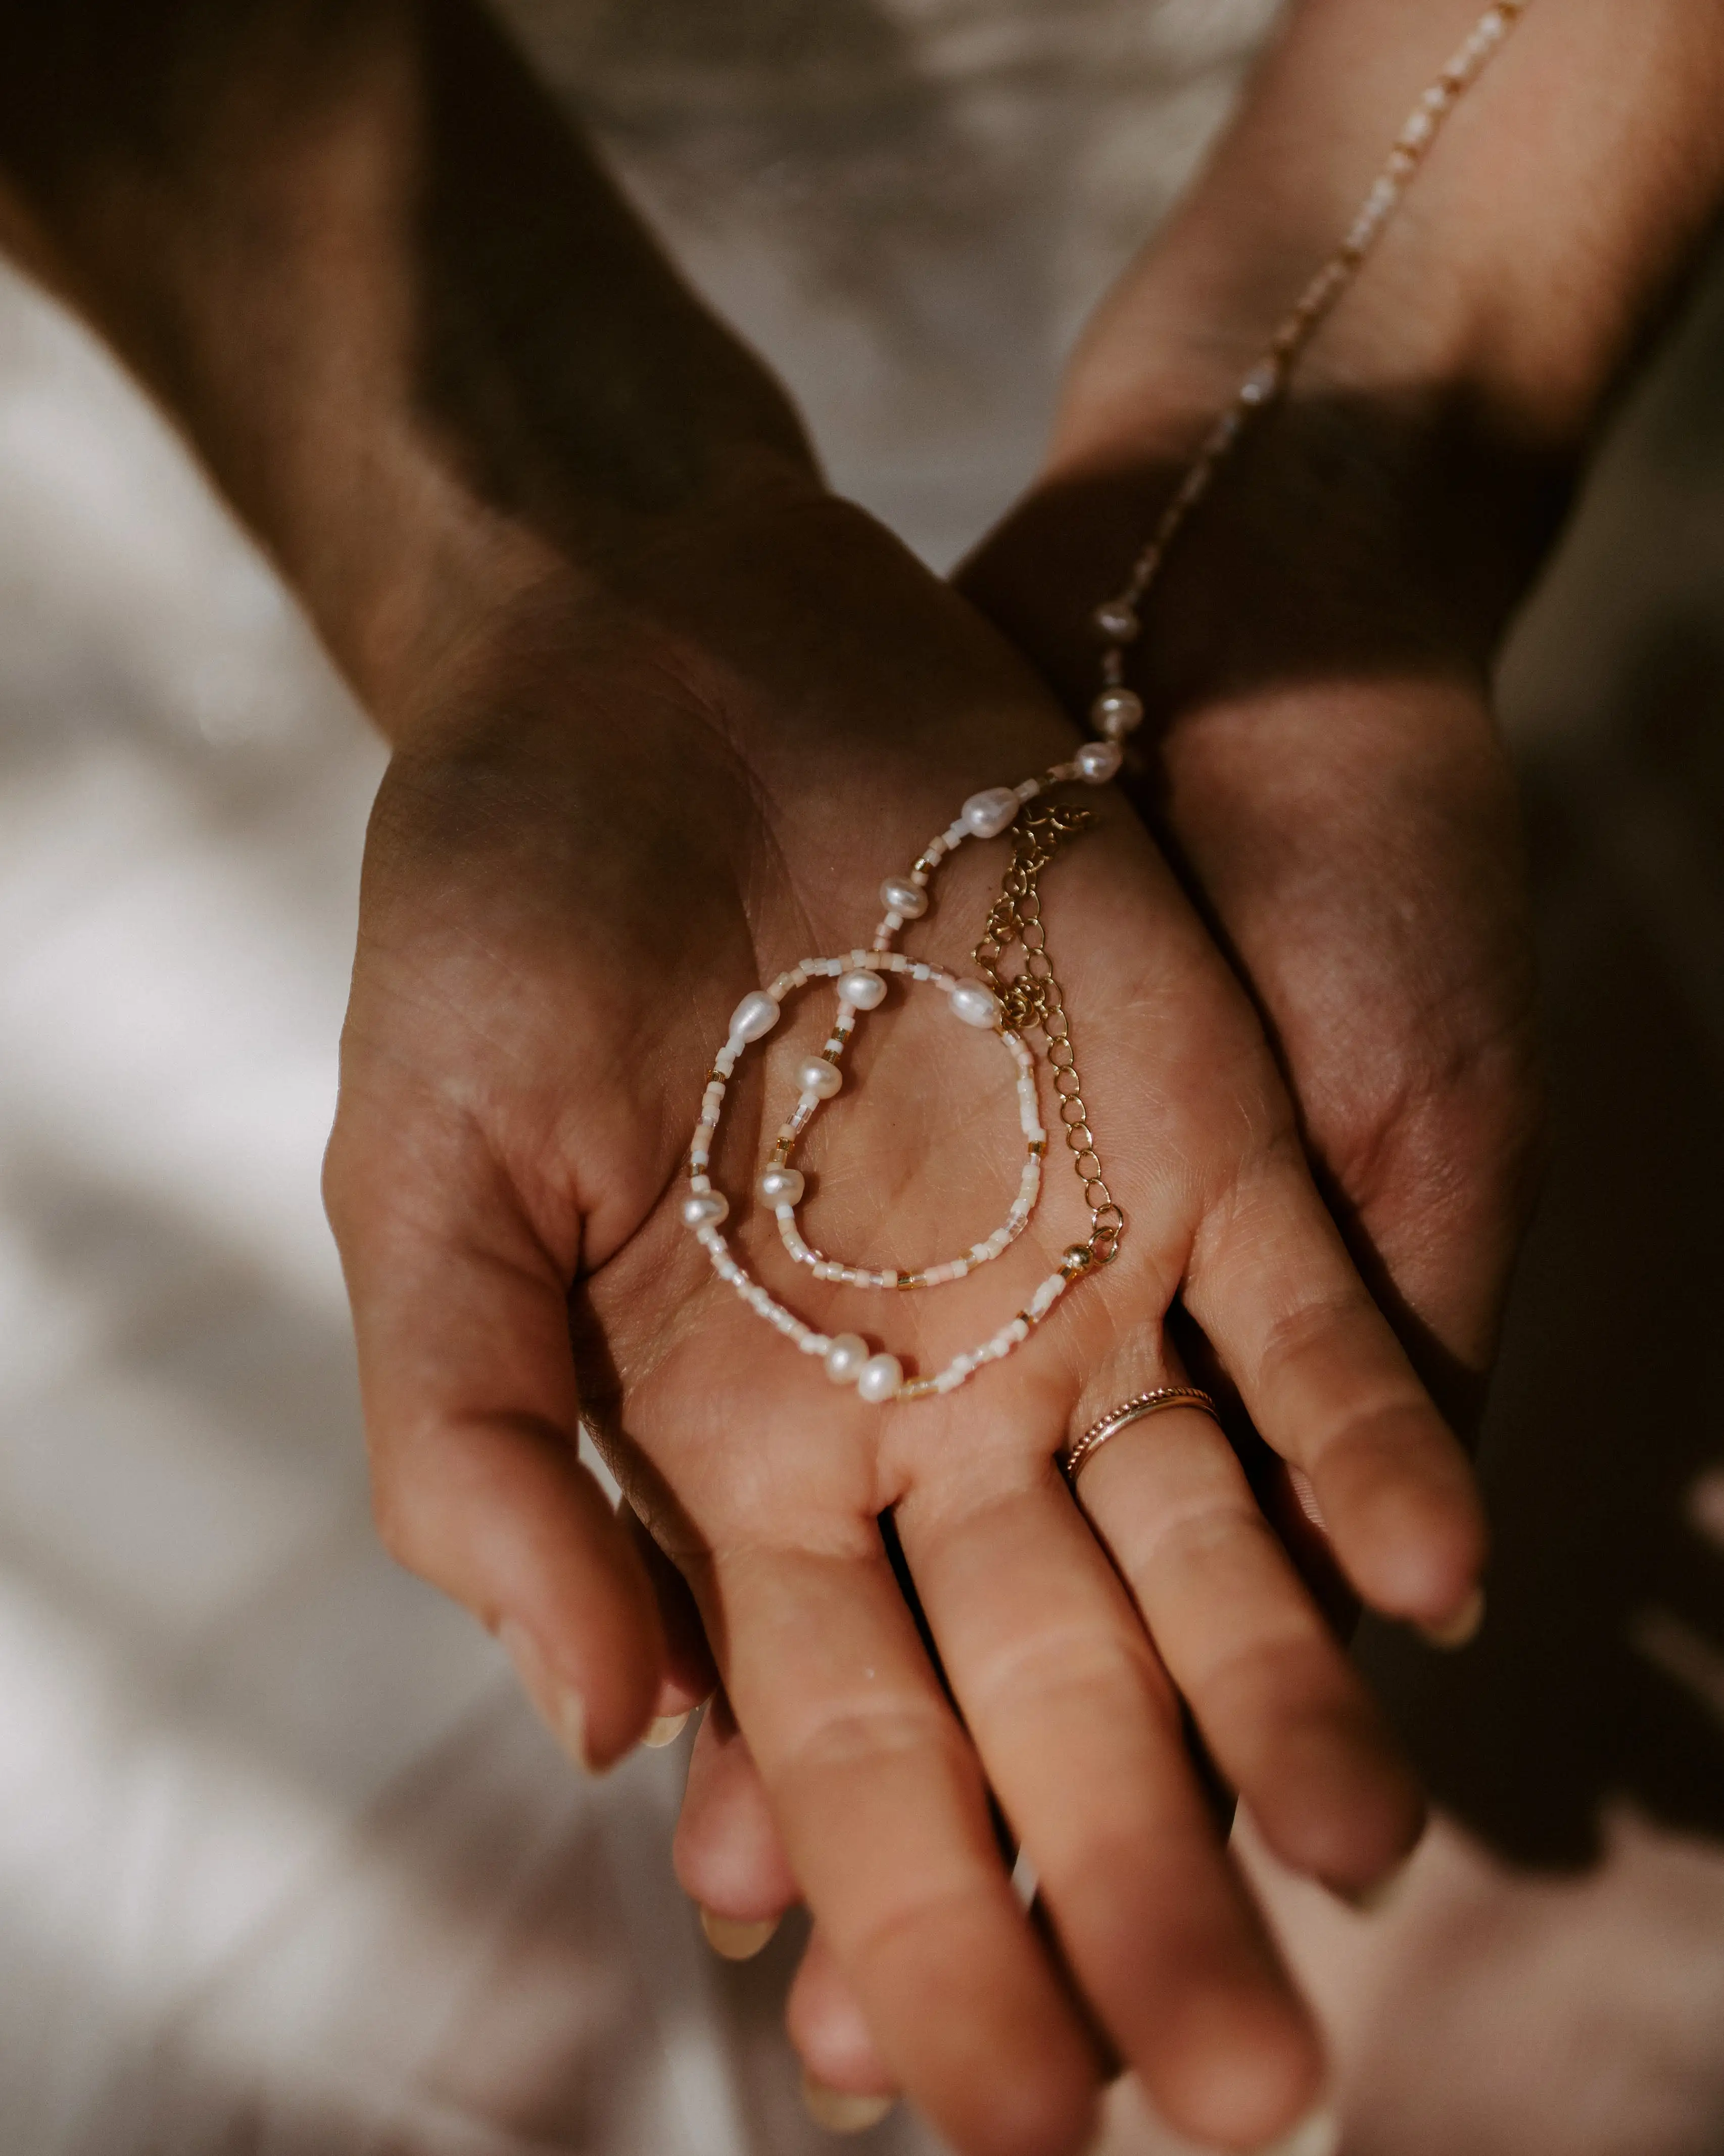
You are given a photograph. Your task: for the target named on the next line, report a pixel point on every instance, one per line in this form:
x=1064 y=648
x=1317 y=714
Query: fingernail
x=1462 y=1627
x=665 y=1729
x=1317 y=2134
x=840 y=2113
x=734 y=1939
x=561 y=1709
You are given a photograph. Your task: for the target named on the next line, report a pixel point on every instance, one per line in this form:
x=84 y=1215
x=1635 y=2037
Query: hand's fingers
x=1325 y=1380
x=1283 y=1712
x=467 y=1383
x=727 y=1854
x=885 y=1817
x=689 y=1674
x=1080 y=1731
x=827 y=2026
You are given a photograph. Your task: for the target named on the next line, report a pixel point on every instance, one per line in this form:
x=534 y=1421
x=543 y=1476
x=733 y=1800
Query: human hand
x=610 y=821
x=448 y=383
x=1317 y=648
x=1326 y=770
x=1351 y=830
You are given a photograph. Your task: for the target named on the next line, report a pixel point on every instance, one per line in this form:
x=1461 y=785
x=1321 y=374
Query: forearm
x=1422 y=458
x=418 y=340
x=1571 y=188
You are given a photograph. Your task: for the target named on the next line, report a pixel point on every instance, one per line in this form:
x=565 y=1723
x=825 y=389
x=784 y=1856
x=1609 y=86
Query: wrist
x=422 y=346
x=1390 y=508
x=1546 y=230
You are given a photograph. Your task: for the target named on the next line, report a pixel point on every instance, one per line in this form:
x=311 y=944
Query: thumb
x=472 y=1423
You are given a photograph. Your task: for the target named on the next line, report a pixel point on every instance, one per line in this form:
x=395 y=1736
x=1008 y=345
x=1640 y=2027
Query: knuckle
x=1081 y=1666
x=849 y=1735
x=1200 y=1529
x=1279 y=1674
x=895 y=1922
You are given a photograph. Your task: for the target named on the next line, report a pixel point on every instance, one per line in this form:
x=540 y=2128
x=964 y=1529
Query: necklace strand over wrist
x=1028 y=1002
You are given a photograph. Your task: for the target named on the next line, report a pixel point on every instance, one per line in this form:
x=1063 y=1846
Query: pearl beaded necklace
x=1030 y=1002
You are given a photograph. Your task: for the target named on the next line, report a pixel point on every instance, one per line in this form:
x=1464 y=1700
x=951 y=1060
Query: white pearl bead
x=862 y=989
x=976 y=1004
x=899 y=894
x=880 y=1378
x=1098 y=761
x=1117 y=712
x=986 y=815
x=706 y=1209
x=846 y=1358
x=1117 y=620
x=815 y=1075
x=781 y=1186
x=754 y=1017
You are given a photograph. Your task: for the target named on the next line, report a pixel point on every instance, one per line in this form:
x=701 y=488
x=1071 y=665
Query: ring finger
x=1284 y=1714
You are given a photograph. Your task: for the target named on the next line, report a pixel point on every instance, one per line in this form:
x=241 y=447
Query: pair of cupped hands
x=1292 y=952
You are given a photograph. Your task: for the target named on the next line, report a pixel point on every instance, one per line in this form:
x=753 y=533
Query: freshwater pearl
x=976 y=1004
x=1098 y=761
x=815 y=1075
x=880 y=1378
x=899 y=894
x=754 y=1017
x=862 y=989
x=1117 y=712
x=986 y=815
x=781 y=1186
x=846 y=1358
x=706 y=1209
x=1117 y=620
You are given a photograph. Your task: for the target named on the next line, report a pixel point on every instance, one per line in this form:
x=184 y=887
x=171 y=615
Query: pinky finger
x=1326 y=1382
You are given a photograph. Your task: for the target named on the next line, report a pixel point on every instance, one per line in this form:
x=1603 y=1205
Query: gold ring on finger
x=1076 y=1457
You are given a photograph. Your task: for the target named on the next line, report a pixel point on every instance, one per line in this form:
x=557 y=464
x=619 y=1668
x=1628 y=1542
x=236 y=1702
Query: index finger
x=472 y=1421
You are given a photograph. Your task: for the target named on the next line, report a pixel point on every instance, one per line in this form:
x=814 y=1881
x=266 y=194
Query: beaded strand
x=1031 y=1001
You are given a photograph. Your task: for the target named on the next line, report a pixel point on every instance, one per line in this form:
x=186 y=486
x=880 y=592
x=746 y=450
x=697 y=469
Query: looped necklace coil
x=1026 y=1001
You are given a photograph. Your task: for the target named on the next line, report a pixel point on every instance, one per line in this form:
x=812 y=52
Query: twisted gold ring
x=1078 y=1456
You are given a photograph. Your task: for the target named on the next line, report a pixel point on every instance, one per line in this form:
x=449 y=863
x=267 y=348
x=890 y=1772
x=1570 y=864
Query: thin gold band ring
x=1078 y=1456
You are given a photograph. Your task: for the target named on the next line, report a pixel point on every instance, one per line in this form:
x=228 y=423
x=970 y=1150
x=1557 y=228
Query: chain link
x=1031 y=1000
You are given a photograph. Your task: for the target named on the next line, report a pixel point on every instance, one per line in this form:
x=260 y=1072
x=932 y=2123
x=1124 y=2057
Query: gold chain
x=1031 y=999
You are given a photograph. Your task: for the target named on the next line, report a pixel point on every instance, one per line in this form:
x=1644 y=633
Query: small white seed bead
x=754 y=1017
x=1117 y=620
x=880 y=1380
x=706 y=1209
x=1117 y=712
x=1098 y=761
x=986 y=815
x=815 y=1075
x=975 y=1003
x=862 y=989
x=781 y=1186
x=846 y=1358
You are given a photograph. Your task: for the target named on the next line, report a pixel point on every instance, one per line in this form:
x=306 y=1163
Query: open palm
x=617 y=821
